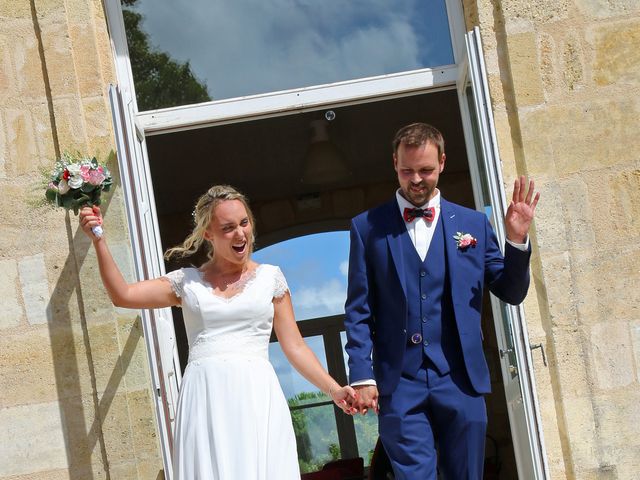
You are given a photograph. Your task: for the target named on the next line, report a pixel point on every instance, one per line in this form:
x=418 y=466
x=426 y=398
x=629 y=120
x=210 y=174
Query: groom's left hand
x=521 y=210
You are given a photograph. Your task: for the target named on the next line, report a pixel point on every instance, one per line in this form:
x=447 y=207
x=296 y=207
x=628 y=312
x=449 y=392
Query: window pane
x=315 y=267
x=295 y=386
x=231 y=48
x=316 y=436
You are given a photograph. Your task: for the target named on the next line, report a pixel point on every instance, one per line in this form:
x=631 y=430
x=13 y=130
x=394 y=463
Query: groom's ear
x=442 y=160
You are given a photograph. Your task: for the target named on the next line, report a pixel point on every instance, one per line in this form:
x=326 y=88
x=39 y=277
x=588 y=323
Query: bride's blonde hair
x=202 y=216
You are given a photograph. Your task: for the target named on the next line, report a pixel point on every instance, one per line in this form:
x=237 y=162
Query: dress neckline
x=243 y=284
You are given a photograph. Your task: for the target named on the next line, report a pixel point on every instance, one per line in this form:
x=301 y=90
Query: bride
x=232 y=418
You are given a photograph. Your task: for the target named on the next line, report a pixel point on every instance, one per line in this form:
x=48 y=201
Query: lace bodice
x=238 y=325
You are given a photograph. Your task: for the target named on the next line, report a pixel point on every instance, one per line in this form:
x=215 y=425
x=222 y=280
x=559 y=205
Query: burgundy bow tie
x=410 y=214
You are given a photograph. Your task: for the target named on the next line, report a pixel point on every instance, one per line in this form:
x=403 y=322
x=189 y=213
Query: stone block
x=559 y=288
x=581 y=432
x=21 y=144
x=635 y=341
x=614 y=413
x=143 y=425
x=35 y=288
x=33 y=439
x=69 y=124
x=29 y=69
x=116 y=427
x=12 y=311
x=38 y=366
x=602 y=9
x=97 y=120
x=573 y=63
x=58 y=53
x=606 y=285
x=548 y=61
x=105 y=356
x=572 y=369
x=536 y=11
x=551 y=235
x=86 y=61
x=578 y=137
x=133 y=353
x=525 y=69
x=43 y=135
x=580 y=215
x=619 y=198
x=617 y=58
x=3 y=151
x=612 y=354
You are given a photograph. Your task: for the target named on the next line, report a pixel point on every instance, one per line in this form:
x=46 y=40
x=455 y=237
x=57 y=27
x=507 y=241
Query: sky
x=244 y=47
x=315 y=267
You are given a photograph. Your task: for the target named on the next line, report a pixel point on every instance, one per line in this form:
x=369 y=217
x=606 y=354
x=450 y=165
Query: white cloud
x=241 y=47
x=320 y=300
x=344 y=268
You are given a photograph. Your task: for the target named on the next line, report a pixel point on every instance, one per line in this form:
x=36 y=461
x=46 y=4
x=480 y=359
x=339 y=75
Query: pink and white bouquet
x=77 y=182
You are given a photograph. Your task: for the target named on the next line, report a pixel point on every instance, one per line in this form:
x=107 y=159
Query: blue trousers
x=432 y=423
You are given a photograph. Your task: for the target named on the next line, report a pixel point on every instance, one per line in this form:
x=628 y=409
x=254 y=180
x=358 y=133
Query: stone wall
x=75 y=398
x=565 y=84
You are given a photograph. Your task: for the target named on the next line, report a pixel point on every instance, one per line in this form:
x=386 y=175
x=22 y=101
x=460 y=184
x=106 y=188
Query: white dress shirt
x=420 y=230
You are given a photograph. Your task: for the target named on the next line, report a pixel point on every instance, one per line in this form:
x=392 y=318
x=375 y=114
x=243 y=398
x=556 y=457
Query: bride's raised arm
x=155 y=293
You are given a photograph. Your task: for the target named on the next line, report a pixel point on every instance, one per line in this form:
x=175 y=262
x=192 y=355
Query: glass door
x=489 y=195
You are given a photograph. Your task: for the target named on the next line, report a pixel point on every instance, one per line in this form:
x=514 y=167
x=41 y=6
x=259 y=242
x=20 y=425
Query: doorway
x=266 y=159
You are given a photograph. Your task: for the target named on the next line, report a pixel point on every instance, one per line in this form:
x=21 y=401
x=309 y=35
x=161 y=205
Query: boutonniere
x=465 y=240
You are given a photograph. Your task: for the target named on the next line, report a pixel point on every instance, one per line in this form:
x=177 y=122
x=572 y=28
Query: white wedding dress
x=232 y=421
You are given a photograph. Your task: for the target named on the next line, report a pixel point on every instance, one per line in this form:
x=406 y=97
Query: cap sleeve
x=176 y=278
x=280 y=284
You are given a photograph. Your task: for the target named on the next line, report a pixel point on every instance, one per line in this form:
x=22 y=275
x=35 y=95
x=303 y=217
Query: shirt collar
x=404 y=203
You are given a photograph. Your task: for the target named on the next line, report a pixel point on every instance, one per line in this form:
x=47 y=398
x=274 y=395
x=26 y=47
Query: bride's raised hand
x=345 y=398
x=90 y=217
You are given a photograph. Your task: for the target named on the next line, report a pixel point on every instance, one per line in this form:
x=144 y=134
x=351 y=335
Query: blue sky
x=315 y=267
x=244 y=47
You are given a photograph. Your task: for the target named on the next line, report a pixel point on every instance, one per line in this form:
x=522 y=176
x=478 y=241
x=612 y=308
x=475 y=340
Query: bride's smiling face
x=230 y=232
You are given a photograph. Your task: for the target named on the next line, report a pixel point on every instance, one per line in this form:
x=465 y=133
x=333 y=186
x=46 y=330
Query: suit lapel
x=450 y=226
x=394 y=240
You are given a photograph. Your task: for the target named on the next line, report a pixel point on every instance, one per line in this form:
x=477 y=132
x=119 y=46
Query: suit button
x=422 y=273
x=426 y=344
x=424 y=319
x=423 y=296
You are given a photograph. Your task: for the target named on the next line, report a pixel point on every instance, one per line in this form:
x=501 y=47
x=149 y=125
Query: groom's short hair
x=417 y=134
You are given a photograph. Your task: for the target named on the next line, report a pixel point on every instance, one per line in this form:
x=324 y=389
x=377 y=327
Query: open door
x=147 y=251
x=511 y=330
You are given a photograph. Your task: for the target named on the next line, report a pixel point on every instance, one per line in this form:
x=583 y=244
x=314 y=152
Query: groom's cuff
x=364 y=382
x=520 y=246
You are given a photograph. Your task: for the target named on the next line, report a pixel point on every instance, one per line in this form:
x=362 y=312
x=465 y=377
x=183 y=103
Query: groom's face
x=418 y=169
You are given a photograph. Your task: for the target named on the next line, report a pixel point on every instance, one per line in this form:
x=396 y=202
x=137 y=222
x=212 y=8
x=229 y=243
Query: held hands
x=520 y=212
x=345 y=398
x=367 y=399
x=90 y=217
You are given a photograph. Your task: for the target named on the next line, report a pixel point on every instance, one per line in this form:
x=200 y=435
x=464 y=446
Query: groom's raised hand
x=521 y=209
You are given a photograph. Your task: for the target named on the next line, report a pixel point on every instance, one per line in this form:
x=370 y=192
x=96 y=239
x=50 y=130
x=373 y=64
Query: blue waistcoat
x=430 y=309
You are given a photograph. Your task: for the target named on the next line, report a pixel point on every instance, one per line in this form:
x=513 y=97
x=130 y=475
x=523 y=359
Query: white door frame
x=141 y=124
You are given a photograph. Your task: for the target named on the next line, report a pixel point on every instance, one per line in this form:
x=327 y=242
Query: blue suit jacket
x=376 y=306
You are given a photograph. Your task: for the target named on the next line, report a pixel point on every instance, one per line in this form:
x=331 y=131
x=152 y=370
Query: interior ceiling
x=265 y=158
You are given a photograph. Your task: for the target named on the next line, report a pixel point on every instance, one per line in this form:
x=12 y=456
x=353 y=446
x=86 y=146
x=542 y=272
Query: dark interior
x=264 y=158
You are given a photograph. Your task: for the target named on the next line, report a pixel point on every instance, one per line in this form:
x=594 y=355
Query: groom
x=417 y=268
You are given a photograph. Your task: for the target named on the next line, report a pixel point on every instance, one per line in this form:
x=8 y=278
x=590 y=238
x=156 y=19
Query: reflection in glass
x=293 y=384
x=315 y=267
x=238 y=48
